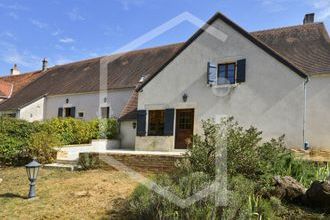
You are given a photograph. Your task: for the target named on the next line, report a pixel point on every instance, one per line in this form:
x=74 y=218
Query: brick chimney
x=309 y=18
x=44 y=64
x=14 y=71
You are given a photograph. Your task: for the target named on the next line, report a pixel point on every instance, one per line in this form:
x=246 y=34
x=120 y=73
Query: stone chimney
x=309 y=18
x=14 y=71
x=44 y=64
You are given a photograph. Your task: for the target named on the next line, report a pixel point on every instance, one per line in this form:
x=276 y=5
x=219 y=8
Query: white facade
x=88 y=103
x=271 y=99
x=127 y=134
x=34 y=111
x=318 y=107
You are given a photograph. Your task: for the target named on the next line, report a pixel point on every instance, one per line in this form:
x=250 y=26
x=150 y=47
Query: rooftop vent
x=309 y=18
x=14 y=71
x=141 y=79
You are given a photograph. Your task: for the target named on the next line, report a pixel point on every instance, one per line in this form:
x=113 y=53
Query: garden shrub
x=76 y=131
x=70 y=130
x=20 y=140
x=88 y=161
x=41 y=146
x=251 y=166
x=14 y=136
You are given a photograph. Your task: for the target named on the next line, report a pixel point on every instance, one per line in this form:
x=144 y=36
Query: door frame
x=176 y=126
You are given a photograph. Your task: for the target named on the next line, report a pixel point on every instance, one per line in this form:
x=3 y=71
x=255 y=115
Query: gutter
x=305 y=142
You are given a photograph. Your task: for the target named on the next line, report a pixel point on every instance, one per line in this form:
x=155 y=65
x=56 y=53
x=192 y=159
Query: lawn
x=95 y=194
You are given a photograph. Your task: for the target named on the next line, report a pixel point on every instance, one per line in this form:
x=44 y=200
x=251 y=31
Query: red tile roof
x=22 y=80
x=6 y=89
x=123 y=71
x=306 y=46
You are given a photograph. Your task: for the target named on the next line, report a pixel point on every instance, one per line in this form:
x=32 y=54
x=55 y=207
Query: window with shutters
x=105 y=112
x=69 y=112
x=156 y=122
x=226 y=73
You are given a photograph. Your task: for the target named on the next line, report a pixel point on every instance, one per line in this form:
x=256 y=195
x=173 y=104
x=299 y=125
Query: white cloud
x=62 y=60
x=323 y=7
x=74 y=15
x=13 y=15
x=7 y=34
x=10 y=54
x=67 y=40
x=275 y=5
x=39 y=24
x=127 y=4
x=14 y=7
x=56 y=32
x=110 y=31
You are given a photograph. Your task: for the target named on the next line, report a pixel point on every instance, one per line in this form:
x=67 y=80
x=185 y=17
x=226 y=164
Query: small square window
x=105 y=112
x=80 y=114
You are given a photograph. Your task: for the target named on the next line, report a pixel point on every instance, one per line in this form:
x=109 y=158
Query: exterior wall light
x=185 y=97
x=32 y=170
x=67 y=101
x=134 y=125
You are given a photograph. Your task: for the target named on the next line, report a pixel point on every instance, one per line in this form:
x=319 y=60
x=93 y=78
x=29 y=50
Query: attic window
x=226 y=73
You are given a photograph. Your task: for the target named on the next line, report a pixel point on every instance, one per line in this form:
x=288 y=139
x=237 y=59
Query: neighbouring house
x=277 y=80
x=10 y=85
x=89 y=89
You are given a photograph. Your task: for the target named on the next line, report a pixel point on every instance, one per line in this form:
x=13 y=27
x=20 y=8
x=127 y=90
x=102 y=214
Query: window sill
x=225 y=86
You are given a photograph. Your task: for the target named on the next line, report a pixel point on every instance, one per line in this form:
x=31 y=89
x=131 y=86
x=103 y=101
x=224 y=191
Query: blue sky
x=71 y=30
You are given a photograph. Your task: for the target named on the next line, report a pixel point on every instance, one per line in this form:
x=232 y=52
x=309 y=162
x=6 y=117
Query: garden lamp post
x=32 y=170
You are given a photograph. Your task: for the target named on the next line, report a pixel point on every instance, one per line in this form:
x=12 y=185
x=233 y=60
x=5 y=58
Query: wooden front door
x=184 y=127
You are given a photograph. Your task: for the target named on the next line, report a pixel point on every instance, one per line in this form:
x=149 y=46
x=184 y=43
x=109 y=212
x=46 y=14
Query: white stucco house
x=276 y=80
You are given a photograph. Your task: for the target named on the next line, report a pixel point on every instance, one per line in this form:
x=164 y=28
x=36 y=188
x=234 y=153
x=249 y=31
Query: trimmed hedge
x=20 y=141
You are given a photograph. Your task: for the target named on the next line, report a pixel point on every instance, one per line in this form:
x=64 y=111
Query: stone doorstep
x=60 y=166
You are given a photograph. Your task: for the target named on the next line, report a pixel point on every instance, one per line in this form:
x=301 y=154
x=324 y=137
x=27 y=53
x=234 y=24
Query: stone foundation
x=137 y=162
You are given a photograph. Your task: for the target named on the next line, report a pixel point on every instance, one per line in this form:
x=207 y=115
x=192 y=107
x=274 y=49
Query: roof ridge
x=99 y=57
x=286 y=27
x=21 y=74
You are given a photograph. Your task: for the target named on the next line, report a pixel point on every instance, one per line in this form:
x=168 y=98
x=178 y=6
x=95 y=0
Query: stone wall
x=137 y=162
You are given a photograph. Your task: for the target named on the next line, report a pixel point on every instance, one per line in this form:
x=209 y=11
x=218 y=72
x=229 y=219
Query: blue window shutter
x=141 y=123
x=60 y=112
x=241 y=70
x=73 y=112
x=169 y=122
x=211 y=74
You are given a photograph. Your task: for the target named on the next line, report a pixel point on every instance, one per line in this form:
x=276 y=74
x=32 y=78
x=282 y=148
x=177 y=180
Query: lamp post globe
x=32 y=170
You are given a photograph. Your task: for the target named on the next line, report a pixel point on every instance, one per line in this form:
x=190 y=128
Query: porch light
x=184 y=97
x=32 y=170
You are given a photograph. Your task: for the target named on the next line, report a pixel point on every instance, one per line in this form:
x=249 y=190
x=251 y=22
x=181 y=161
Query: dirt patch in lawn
x=95 y=194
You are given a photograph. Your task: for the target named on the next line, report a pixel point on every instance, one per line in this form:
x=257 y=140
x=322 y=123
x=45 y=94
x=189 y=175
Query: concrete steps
x=60 y=166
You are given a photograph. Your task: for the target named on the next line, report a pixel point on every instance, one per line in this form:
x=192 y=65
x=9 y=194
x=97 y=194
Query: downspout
x=305 y=142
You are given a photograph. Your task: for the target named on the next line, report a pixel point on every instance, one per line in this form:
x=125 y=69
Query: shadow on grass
x=119 y=210
x=12 y=195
